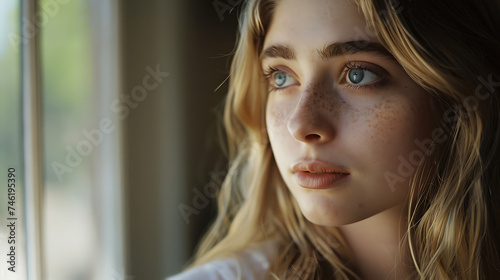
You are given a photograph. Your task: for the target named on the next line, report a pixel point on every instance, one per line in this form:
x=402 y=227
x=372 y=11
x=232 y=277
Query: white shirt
x=251 y=264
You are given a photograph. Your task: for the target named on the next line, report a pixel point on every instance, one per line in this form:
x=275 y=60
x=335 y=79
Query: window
x=127 y=134
x=79 y=239
x=69 y=224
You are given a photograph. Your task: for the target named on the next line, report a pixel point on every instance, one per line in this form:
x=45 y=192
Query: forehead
x=311 y=24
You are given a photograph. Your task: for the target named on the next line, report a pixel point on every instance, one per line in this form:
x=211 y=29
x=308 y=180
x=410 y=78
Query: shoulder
x=251 y=263
x=214 y=270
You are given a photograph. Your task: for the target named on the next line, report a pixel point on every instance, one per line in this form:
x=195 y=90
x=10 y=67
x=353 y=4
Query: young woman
x=364 y=143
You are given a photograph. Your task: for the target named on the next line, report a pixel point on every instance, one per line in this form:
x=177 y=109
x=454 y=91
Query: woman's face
x=343 y=117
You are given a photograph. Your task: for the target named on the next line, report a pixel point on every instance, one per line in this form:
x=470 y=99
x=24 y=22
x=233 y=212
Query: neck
x=376 y=247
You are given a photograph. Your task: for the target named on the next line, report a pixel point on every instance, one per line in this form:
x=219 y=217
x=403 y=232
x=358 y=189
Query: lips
x=317 y=174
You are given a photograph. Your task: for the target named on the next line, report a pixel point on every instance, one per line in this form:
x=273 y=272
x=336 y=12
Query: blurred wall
x=172 y=157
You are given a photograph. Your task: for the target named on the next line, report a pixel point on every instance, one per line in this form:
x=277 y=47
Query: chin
x=324 y=212
x=332 y=219
x=322 y=221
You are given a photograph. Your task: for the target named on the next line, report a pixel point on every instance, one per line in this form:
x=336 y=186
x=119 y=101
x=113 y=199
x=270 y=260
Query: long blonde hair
x=449 y=50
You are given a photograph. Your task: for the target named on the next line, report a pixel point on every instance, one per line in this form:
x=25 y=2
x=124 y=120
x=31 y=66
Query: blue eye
x=281 y=79
x=359 y=76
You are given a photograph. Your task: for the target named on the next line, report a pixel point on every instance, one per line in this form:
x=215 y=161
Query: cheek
x=277 y=115
x=387 y=123
x=388 y=133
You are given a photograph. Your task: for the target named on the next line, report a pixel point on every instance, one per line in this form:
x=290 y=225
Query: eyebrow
x=329 y=51
x=280 y=50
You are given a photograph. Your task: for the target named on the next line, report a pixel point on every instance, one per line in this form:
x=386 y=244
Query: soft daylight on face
x=349 y=118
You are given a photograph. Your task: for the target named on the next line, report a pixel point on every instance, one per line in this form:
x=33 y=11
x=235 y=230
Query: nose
x=312 y=121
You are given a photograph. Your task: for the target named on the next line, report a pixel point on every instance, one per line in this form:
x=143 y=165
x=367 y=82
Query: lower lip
x=319 y=181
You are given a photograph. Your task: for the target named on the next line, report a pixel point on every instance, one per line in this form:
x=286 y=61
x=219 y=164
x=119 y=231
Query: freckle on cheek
x=383 y=117
x=355 y=113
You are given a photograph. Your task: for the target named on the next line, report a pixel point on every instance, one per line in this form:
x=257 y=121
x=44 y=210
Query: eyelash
x=356 y=65
x=269 y=72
